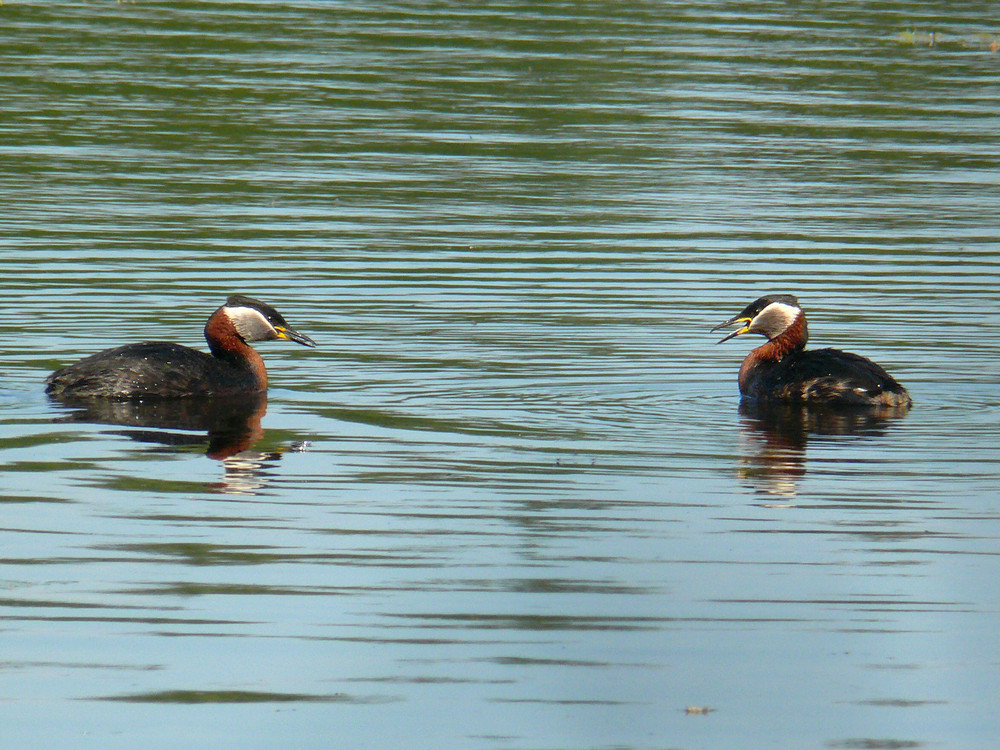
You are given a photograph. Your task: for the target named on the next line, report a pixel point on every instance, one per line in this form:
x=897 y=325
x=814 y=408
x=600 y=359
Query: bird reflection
x=776 y=435
x=231 y=426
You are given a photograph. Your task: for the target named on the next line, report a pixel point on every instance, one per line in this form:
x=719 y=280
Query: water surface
x=512 y=500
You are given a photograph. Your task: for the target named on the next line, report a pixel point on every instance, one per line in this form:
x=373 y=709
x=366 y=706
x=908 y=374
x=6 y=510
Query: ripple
x=515 y=475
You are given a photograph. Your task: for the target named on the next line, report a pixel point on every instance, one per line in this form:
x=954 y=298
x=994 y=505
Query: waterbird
x=160 y=369
x=783 y=370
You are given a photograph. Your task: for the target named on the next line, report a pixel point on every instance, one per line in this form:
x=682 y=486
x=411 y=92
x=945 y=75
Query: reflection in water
x=774 y=453
x=232 y=426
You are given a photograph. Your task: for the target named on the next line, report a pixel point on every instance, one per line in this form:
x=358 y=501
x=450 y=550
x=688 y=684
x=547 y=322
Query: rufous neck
x=226 y=344
x=791 y=339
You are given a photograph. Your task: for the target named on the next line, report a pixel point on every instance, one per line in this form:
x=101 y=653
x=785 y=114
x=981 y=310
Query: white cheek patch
x=774 y=318
x=249 y=323
x=786 y=313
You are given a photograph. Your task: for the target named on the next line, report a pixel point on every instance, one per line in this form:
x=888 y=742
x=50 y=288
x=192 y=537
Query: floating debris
x=913 y=38
x=692 y=710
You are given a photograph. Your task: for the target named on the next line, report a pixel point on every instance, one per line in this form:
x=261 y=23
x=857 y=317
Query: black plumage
x=152 y=369
x=823 y=375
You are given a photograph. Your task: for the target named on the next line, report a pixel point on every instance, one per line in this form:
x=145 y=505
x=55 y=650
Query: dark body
x=160 y=369
x=157 y=369
x=828 y=376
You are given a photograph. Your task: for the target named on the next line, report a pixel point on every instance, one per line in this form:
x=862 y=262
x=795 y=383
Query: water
x=511 y=501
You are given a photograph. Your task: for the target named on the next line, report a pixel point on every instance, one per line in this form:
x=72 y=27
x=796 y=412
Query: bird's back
x=829 y=376
x=151 y=369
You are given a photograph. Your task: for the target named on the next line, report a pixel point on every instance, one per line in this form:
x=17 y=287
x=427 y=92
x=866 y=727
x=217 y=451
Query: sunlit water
x=512 y=500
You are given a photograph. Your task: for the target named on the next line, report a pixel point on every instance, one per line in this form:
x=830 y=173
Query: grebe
x=159 y=369
x=783 y=370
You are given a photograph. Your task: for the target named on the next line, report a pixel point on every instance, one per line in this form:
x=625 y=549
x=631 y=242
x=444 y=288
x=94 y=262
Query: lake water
x=511 y=501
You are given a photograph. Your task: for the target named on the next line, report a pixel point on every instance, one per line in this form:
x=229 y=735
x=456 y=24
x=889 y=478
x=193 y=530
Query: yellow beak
x=739 y=332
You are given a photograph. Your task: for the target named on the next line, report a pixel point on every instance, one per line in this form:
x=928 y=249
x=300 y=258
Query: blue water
x=511 y=500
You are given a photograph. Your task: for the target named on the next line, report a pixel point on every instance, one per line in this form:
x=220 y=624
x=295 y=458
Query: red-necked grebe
x=159 y=369
x=783 y=370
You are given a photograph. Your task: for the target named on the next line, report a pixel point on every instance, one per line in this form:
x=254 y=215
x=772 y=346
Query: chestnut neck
x=791 y=339
x=226 y=344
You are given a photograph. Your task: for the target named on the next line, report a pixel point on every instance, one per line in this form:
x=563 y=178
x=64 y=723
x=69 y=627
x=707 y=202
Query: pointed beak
x=745 y=328
x=291 y=334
